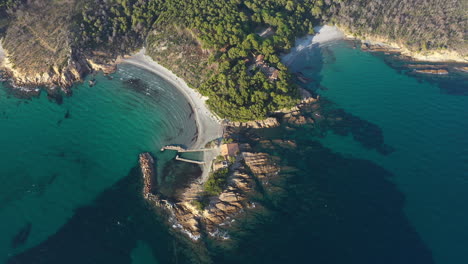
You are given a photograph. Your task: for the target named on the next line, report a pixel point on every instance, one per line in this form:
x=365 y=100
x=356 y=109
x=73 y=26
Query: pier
x=190 y=161
x=182 y=149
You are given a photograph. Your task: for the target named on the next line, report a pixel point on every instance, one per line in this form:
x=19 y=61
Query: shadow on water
x=22 y=236
x=176 y=177
x=309 y=63
x=342 y=123
x=333 y=209
x=453 y=83
x=107 y=231
x=314 y=56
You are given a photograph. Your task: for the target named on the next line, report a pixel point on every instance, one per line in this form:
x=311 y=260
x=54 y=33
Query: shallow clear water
x=425 y=124
x=56 y=158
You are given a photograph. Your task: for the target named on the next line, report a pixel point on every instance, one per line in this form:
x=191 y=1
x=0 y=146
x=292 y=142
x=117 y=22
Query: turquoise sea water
x=56 y=158
x=388 y=186
x=427 y=125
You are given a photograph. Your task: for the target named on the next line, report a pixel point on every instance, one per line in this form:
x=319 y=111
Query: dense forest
x=419 y=24
x=228 y=31
x=228 y=50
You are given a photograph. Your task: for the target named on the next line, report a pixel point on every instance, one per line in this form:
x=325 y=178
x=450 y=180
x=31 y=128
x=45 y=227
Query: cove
x=55 y=158
x=425 y=121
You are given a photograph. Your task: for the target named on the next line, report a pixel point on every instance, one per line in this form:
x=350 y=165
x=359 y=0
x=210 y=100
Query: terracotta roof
x=230 y=149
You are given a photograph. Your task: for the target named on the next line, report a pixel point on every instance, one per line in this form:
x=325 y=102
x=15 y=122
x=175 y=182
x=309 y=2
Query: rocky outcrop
x=53 y=77
x=378 y=48
x=222 y=209
x=229 y=203
x=182 y=215
x=463 y=69
x=261 y=165
x=266 y=123
x=433 y=71
x=39 y=48
x=296 y=118
x=306 y=112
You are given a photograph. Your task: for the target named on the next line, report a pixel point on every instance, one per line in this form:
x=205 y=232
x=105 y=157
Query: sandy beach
x=209 y=126
x=2 y=54
x=323 y=35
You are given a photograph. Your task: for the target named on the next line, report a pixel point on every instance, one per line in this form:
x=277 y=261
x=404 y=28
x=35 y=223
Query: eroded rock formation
x=266 y=123
x=222 y=209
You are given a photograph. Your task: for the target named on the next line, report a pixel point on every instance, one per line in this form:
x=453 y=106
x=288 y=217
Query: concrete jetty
x=190 y=161
x=182 y=149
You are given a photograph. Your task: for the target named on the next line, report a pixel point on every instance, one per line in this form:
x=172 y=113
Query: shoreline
x=327 y=33
x=2 y=54
x=323 y=34
x=428 y=56
x=209 y=126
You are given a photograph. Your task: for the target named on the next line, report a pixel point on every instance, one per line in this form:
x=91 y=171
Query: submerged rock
x=432 y=71
x=21 y=237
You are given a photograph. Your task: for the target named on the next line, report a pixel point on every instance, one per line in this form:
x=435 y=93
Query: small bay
x=55 y=158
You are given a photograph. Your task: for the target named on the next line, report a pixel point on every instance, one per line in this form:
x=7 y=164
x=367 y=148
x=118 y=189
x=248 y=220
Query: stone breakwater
x=212 y=220
x=147 y=170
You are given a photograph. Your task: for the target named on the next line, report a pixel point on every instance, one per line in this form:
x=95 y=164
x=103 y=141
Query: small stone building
x=229 y=150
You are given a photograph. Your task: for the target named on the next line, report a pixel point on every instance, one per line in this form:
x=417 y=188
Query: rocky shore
x=220 y=212
x=77 y=67
x=197 y=215
x=433 y=71
x=387 y=45
x=266 y=123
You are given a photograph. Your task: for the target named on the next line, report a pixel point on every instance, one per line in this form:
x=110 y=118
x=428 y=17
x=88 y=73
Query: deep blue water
x=384 y=185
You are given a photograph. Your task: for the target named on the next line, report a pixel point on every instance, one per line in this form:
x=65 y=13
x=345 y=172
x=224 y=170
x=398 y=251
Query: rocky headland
x=185 y=212
x=199 y=213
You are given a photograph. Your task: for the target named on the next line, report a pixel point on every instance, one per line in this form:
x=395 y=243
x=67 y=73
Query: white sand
x=2 y=54
x=323 y=35
x=209 y=126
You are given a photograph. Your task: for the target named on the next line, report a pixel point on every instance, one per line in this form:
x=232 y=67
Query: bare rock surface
x=266 y=123
x=222 y=209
